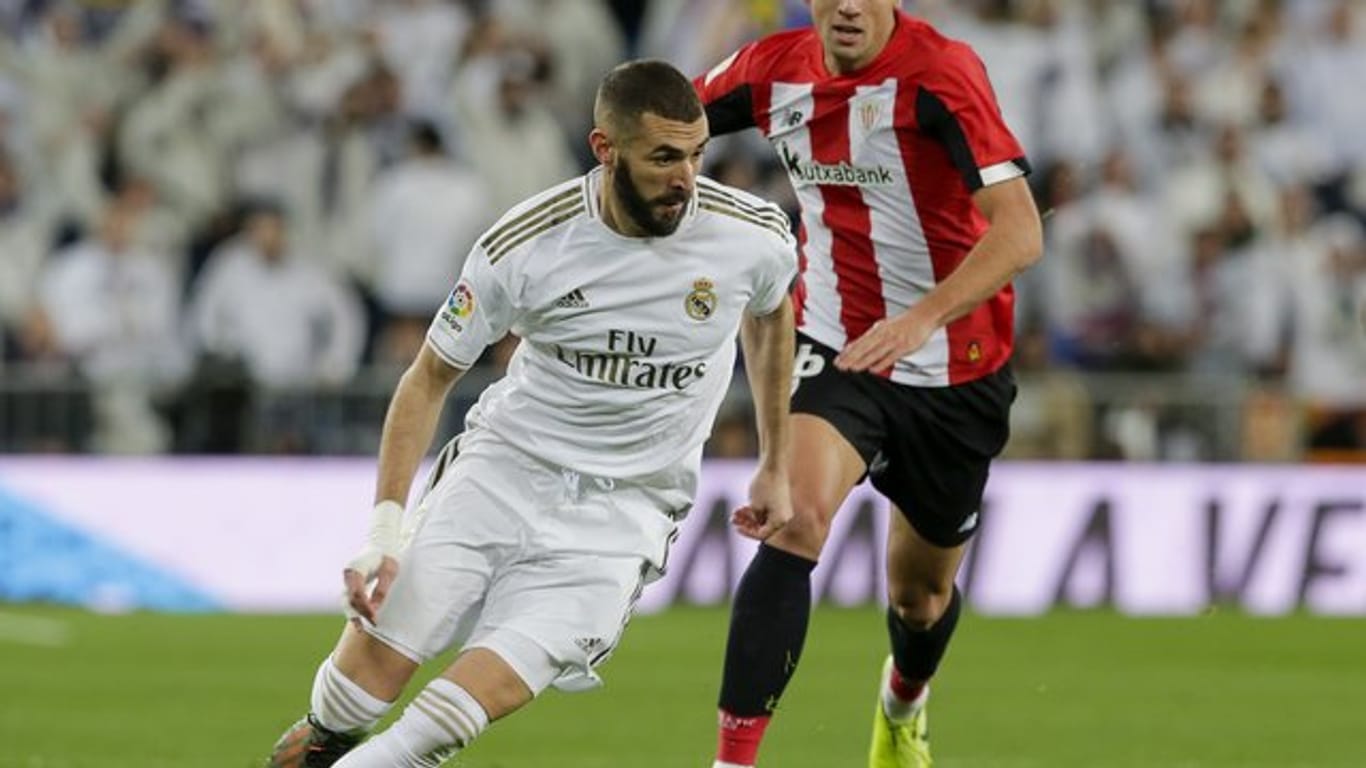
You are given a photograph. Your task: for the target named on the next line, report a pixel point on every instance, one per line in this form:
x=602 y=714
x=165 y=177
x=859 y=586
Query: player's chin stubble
x=642 y=211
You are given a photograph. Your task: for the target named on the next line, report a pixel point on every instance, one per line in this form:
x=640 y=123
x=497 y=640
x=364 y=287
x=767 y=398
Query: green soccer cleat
x=898 y=745
x=309 y=745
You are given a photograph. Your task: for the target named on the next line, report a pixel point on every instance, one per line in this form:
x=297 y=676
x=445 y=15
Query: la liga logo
x=461 y=301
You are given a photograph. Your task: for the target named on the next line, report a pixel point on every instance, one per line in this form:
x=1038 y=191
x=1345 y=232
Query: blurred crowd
x=204 y=200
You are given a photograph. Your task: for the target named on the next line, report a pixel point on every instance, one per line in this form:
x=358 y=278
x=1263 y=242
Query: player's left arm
x=767 y=341
x=1012 y=242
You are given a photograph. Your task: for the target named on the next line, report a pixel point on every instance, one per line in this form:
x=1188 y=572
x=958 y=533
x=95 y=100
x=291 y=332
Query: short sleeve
x=957 y=106
x=775 y=277
x=477 y=313
x=726 y=93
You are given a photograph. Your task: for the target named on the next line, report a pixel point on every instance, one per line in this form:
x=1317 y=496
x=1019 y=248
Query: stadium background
x=224 y=225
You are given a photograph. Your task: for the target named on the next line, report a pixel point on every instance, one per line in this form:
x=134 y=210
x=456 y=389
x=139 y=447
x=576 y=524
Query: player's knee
x=920 y=604
x=805 y=535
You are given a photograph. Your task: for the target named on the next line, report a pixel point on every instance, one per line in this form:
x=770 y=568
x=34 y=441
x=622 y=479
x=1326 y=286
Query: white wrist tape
x=383 y=541
x=384 y=527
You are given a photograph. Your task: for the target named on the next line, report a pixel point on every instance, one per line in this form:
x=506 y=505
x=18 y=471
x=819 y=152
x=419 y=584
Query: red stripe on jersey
x=980 y=341
x=761 y=96
x=847 y=217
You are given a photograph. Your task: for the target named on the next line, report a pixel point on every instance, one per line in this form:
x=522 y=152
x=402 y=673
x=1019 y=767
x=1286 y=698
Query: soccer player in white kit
x=544 y=519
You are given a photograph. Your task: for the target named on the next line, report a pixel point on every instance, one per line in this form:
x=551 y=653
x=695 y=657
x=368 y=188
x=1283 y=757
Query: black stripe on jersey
x=935 y=118
x=708 y=204
x=542 y=225
x=731 y=112
x=764 y=210
x=525 y=218
x=774 y=218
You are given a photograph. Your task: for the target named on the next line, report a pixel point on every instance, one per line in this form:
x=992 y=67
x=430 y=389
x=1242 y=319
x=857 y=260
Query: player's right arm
x=477 y=313
x=409 y=426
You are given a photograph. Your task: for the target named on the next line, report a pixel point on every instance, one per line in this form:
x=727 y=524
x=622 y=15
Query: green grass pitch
x=1071 y=689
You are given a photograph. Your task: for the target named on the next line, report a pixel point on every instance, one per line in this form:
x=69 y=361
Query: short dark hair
x=636 y=87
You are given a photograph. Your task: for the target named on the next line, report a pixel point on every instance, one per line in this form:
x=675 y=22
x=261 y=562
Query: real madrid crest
x=700 y=303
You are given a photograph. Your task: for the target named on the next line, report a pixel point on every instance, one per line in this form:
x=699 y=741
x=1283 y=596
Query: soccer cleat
x=309 y=745
x=898 y=745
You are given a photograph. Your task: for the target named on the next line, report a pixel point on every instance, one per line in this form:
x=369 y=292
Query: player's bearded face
x=658 y=215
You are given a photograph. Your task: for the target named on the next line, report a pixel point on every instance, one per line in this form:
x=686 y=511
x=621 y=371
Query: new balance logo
x=572 y=300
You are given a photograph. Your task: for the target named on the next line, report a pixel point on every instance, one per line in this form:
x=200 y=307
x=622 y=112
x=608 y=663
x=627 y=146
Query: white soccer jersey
x=628 y=344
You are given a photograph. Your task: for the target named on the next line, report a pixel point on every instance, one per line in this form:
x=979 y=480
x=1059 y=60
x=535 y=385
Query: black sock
x=768 y=619
x=917 y=654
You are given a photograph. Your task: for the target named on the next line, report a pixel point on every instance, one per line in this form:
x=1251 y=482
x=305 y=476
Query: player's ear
x=602 y=147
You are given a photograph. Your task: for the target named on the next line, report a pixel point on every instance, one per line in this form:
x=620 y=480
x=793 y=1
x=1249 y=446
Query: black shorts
x=927 y=449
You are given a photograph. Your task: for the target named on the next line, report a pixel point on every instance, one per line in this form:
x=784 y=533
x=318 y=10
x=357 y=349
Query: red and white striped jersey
x=884 y=162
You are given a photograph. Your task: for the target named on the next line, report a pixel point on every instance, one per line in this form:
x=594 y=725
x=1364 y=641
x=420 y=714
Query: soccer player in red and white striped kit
x=915 y=217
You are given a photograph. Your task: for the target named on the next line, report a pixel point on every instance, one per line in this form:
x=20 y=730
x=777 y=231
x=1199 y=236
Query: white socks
x=341 y=705
x=440 y=722
x=899 y=710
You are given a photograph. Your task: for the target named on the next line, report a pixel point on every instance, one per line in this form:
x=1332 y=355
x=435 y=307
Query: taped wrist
x=385 y=524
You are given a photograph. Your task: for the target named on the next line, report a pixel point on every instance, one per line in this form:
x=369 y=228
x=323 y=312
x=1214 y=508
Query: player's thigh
x=937 y=455
x=466 y=535
x=837 y=426
x=557 y=619
x=920 y=573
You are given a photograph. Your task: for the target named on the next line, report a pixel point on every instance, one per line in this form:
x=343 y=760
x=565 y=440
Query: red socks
x=738 y=738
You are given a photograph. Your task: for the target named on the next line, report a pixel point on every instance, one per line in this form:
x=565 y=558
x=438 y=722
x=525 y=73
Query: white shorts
x=538 y=564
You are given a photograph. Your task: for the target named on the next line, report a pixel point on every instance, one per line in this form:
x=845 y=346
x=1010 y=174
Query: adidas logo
x=589 y=645
x=572 y=300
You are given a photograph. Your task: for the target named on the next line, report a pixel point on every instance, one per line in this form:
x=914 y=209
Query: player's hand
x=769 y=508
x=376 y=563
x=366 y=568
x=886 y=342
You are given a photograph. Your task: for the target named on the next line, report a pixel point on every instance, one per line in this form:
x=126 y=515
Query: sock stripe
x=336 y=695
x=459 y=719
x=432 y=714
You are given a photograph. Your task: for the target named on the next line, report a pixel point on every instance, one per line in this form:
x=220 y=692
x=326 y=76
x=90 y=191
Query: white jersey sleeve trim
x=995 y=174
x=434 y=341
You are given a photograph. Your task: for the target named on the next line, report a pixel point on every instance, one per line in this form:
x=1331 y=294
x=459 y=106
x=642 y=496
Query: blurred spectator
x=580 y=42
x=24 y=243
x=420 y=41
x=1328 y=346
x=289 y=322
x=1288 y=152
x=425 y=214
x=323 y=173
x=1333 y=60
x=694 y=35
x=499 y=102
x=1236 y=278
x=115 y=311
